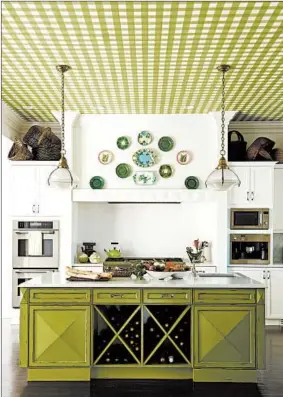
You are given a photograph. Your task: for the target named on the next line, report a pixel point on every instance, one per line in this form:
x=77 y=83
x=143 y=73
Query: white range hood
x=142 y=195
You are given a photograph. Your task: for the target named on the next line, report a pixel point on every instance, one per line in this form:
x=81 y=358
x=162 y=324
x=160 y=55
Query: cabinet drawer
x=167 y=296
x=110 y=295
x=46 y=295
x=224 y=296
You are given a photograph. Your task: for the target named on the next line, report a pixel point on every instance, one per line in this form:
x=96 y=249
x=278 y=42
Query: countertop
x=58 y=280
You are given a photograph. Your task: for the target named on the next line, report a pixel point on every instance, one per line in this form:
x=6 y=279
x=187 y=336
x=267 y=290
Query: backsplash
x=147 y=229
x=278 y=248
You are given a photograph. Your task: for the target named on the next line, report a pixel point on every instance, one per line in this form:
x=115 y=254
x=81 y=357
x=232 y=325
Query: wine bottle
x=132 y=329
x=166 y=325
x=108 y=360
x=162 y=360
x=181 y=343
x=176 y=336
x=137 y=336
x=171 y=359
x=137 y=322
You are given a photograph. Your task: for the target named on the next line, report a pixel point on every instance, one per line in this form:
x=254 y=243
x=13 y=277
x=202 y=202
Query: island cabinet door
x=59 y=336
x=224 y=337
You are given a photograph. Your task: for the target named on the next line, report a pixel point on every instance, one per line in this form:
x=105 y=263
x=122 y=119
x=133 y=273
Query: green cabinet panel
x=224 y=336
x=59 y=295
x=224 y=295
x=59 y=336
x=116 y=295
x=165 y=296
x=24 y=331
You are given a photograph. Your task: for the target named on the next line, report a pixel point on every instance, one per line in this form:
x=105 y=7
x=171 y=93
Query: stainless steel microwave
x=249 y=218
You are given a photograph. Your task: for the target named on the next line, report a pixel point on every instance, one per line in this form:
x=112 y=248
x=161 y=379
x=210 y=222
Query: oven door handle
x=260 y=218
x=21 y=232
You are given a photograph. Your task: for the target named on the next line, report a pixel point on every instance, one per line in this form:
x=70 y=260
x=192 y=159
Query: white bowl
x=162 y=275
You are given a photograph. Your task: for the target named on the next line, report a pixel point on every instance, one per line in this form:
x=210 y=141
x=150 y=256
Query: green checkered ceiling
x=143 y=57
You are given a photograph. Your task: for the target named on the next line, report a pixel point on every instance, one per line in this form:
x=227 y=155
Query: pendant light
x=222 y=178
x=62 y=177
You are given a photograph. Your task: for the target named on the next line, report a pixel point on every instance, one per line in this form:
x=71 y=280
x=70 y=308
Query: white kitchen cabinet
x=24 y=190
x=278 y=200
x=256 y=189
x=275 y=302
x=272 y=278
x=31 y=195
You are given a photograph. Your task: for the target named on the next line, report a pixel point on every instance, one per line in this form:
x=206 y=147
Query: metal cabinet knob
x=116 y=295
x=167 y=295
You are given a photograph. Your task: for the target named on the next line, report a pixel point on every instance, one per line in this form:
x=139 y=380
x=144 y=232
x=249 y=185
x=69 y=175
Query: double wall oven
x=35 y=252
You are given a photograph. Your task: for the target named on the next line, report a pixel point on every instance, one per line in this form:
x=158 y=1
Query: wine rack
x=167 y=331
x=117 y=336
x=147 y=335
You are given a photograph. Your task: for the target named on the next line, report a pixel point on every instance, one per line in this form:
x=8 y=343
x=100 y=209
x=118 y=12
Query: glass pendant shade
x=62 y=177
x=222 y=179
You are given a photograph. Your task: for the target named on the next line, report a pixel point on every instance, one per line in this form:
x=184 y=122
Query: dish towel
x=35 y=243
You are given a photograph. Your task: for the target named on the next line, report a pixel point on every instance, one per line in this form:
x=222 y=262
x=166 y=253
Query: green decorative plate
x=96 y=182
x=144 y=138
x=192 y=182
x=123 y=142
x=165 y=143
x=165 y=171
x=123 y=170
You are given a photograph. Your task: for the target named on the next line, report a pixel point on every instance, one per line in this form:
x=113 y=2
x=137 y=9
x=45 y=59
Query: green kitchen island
x=208 y=329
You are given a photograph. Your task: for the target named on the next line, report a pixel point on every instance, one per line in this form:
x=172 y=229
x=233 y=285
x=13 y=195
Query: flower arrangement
x=195 y=252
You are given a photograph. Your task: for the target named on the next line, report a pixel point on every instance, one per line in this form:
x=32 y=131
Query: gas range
x=133 y=260
x=123 y=267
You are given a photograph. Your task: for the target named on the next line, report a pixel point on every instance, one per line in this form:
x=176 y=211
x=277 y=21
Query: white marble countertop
x=58 y=280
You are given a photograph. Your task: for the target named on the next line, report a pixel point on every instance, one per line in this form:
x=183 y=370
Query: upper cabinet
x=31 y=195
x=256 y=188
x=278 y=200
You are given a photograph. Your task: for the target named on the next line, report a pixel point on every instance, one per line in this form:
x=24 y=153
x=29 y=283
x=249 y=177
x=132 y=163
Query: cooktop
x=130 y=259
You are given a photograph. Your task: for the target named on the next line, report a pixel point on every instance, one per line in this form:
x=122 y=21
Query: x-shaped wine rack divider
x=117 y=333
x=167 y=333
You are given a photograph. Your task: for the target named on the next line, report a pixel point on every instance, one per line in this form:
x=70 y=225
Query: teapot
x=113 y=252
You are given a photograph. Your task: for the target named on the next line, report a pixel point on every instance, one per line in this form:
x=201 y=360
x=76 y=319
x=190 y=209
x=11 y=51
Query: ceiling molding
x=257 y=127
x=11 y=122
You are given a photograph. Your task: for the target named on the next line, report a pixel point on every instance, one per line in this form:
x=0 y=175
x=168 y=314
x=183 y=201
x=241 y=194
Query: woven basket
x=19 y=151
x=46 y=146
x=277 y=155
x=260 y=149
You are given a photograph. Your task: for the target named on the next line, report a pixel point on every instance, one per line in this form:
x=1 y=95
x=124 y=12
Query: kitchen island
x=208 y=329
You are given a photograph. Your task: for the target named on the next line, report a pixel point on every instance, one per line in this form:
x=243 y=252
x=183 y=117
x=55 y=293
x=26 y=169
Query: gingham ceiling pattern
x=143 y=57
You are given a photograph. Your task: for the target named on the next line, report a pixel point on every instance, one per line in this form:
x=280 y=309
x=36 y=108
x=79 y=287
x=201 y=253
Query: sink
x=230 y=275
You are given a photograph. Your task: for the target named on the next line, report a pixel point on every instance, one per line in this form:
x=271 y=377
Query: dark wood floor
x=270 y=382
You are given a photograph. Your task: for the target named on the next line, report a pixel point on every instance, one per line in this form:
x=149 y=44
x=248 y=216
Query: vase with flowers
x=195 y=253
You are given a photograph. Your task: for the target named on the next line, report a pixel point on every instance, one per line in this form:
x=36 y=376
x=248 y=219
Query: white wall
x=94 y=133
x=6 y=254
x=147 y=229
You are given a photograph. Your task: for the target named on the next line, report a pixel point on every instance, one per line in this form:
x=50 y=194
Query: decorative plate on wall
x=165 y=143
x=144 y=178
x=184 y=157
x=105 y=157
x=123 y=170
x=96 y=182
x=144 y=138
x=123 y=142
x=144 y=158
x=165 y=171
x=192 y=182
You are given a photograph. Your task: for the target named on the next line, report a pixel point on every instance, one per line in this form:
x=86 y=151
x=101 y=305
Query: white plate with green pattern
x=145 y=158
x=144 y=178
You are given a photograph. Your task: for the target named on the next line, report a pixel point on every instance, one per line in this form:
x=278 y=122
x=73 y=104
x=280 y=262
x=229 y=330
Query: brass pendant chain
x=63 y=151
x=222 y=151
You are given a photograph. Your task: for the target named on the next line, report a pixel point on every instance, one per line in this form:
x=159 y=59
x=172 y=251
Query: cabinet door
x=24 y=190
x=59 y=336
x=52 y=201
x=239 y=196
x=262 y=186
x=278 y=200
x=224 y=336
x=275 y=303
